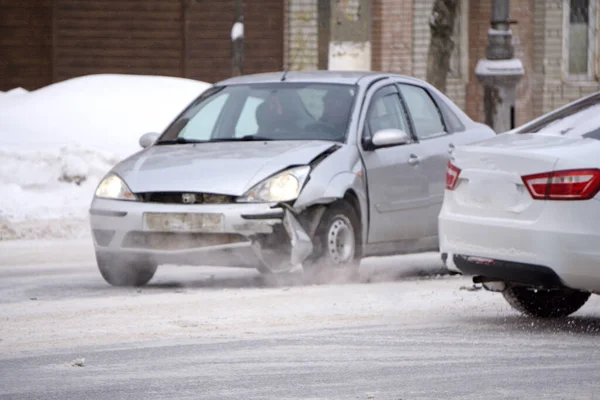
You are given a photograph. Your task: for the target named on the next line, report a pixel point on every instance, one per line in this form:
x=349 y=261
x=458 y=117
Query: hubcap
x=340 y=241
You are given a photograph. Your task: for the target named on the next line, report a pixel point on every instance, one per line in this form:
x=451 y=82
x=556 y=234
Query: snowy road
x=225 y=334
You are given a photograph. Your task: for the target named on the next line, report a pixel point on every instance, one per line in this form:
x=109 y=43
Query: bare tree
x=441 y=45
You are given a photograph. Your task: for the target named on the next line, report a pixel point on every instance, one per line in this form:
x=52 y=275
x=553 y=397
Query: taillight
x=578 y=184
x=452 y=173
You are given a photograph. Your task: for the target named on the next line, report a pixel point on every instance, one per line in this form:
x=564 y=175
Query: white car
x=521 y=211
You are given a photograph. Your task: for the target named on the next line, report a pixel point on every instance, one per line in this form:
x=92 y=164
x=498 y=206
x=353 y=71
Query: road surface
x=200 y=333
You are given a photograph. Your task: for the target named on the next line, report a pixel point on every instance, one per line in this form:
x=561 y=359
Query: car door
x=396 y=184
x=437 y=142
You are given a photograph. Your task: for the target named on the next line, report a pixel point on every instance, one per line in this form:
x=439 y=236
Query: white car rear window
x=583 y=121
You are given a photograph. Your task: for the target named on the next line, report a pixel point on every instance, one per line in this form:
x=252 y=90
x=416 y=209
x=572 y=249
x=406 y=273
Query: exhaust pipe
x=490 y=284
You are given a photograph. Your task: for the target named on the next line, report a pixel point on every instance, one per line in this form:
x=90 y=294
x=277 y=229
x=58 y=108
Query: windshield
x=581 y=119
x=273 y=111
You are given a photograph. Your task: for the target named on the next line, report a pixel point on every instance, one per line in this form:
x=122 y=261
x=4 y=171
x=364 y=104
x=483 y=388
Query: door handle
x=413 y=159
x=450 y=148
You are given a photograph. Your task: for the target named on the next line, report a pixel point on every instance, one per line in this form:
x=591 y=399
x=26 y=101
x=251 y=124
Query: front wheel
x=337 y=245
x=555 y=303
x=125 y=270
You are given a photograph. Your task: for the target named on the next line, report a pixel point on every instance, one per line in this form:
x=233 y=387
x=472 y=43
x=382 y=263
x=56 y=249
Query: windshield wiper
x=247 y=138
x=180 y=140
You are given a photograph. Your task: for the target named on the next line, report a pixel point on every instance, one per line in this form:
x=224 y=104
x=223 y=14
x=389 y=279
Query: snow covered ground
x=227 y=334
x=161 y=312
x=56 y=143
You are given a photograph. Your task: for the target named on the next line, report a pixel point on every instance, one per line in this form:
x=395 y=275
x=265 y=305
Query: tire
x=337 y=246
x=125 y=271
x=545 y=303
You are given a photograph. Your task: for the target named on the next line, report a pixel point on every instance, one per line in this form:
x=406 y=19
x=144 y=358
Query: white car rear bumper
x=564 y=238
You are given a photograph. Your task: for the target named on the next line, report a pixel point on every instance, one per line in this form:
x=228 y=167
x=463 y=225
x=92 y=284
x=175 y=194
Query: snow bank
x=15 y=91
x=57 y=142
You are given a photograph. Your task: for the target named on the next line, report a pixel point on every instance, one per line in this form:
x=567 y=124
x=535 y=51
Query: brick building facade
x=45 y=41
x=545 y=33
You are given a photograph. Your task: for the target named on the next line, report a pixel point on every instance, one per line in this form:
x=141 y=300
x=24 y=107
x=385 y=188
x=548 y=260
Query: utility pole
x=500 y=72
x=237 y=39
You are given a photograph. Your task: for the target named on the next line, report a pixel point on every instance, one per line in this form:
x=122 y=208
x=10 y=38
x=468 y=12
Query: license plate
x=479 y=192
x=497 y=194
x=183 y=222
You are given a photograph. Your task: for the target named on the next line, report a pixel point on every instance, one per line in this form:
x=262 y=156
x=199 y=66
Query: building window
x=579 y=39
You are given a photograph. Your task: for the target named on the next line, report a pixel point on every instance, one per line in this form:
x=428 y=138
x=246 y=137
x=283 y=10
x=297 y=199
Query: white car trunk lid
x=490 y=182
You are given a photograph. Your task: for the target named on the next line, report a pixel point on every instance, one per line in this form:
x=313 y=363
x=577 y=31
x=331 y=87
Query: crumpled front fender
x=302 y=245
x=336 y=188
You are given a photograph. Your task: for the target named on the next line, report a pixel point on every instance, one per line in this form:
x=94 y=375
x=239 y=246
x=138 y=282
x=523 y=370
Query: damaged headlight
x=284 y=186
x=113 y=187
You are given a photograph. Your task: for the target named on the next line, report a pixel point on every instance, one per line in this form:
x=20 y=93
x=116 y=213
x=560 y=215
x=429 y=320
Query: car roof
x=316 y=76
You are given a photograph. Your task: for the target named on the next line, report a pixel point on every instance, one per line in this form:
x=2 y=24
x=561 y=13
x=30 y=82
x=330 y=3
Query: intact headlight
x=284 y=186
x=113 y=187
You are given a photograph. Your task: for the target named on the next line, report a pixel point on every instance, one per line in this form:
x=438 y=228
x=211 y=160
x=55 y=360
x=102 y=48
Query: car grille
x=179 y=241
x=185 y=198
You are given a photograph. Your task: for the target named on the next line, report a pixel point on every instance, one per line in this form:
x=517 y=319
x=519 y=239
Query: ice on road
x=221 y=333
x=41 y=308
x=178 y=313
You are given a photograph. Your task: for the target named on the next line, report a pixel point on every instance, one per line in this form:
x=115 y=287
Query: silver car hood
x=229 y=168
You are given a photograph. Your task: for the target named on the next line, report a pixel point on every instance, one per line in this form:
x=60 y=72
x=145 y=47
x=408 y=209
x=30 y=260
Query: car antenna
x=287 y=68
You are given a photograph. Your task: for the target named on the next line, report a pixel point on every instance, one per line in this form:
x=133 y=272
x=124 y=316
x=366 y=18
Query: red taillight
x=578 y=184
x=452 y=173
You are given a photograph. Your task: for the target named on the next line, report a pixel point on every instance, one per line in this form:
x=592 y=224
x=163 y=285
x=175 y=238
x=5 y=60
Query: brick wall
x=556 y=90
x=523 y=41
x=392 y=44
x=25 y=44
x=301 y=41
x=45 y=41
x=263 y=41
x=117 y=37
x=479 y=12
x=538 y=42
x=160 y=37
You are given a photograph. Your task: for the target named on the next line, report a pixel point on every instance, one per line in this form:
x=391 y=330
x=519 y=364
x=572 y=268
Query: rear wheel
x=125 y=271
x=337 y=245
x=555 y=303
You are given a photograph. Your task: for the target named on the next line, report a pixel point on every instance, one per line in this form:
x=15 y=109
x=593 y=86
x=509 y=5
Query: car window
x=454 y=123
x=247 y=124
x=269 y=111
x=425 y=114
x=201 y=126
x=313 y=100
x=581 y=119
x=387 y=112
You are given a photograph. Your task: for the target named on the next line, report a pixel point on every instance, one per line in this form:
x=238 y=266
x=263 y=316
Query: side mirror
x=148 y=138
x=389 y=137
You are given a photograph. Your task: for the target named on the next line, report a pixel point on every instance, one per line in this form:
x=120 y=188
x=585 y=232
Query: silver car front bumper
x=121 y=228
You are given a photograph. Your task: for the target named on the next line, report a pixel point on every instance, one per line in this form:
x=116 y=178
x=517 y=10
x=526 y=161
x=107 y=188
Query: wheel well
x=352 y=199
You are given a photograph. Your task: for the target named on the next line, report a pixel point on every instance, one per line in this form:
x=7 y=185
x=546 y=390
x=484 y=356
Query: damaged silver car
x=296 y=171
